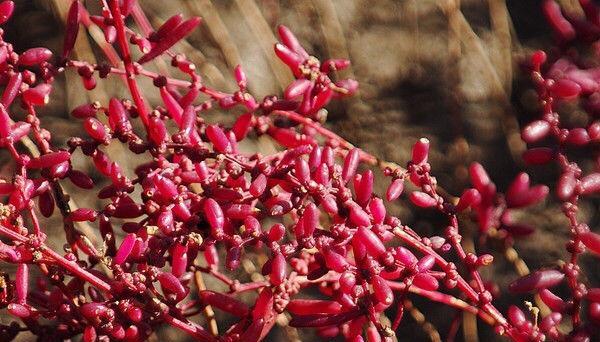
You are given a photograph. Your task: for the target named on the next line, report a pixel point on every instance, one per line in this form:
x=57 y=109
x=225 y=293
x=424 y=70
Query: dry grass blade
x=217 y=29
x=335 y=40
x=499 y=18
x=420 y=319
x=265 y=37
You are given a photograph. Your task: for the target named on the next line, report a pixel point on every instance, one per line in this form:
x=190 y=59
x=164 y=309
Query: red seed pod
x=373 y=334
x=6 y=10
x=335 y=261
x=22 y=283
x=38 y=95
x=264 y=304
x=550 y=322
x=188 y=121
x=19 y=310
x=405 y=256
x=35 y=56
x=169 y=283
x=350 y=164
x=535 y=131
x=469 y=198
x=321 y=100
x=537 y=280
x=561 y=26
x=49 y=160
x=426 y=263
x=310 y=219
x=118 y=119
x=211 y=255
x=377 y=209
x=19 y=130
x=479 y=177
x=89 y=334
x=364 y=191
x=165 y=222
x=166 y=28
x=426 y=281
x=290 y=40
x=240 y=211
x=518 y=187
x=590 y=184
x=46 y=204
x=224 y=302
x=289 y=57
x=125 y=249
x=593 y=295
x=83 y=214
x=251 y=227
x=173 y=107
x=14 y=82
x=554 y=302
x=86 y=110
x=179 y=259
x=110 y=34
x=254 y=331
x=538 y=155
x=218 y=139
x=177 y=34
x=591 y=240
x=96 y=130
x=350 y=86
x=371 y=241
x=320 y=320
x=382 y=291
x=566 y=186
x=421 y=199
x=215 y=218
x=578 y=137
x=516 y=316
x=358 y=216
x=73 y=18
x=297 y=88
x=242 y=126
x=5 y=128
x=420 y=151
x=258 y=185
x=395 y=189
x=302 y=170
x=334 y=65
x=278 y=269
x=166 y=187
x=321 y=175
x=240 y=77
x=81 y=179
x=276 y=232
x=313 y=306
x=157 y=130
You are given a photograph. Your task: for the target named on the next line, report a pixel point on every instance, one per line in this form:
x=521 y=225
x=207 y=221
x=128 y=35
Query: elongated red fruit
x=278 y=271
x=321 y=320
x=371 y=241
x=72 y=29
x=175 y=35
x=537 y=280
x=225 y=302
x=215 y=218
x=591 y=240
x=125 y=249
x=350 y=164
x=313 y=306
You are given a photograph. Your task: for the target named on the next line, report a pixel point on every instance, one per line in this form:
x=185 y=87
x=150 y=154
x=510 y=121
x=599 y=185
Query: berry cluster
x=309 y=210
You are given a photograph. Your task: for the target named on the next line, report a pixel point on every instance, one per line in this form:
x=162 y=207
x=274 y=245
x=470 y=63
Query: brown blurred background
x=447 y=70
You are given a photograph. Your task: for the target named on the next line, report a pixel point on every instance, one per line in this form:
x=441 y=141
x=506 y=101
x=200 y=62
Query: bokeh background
x=447 y=70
